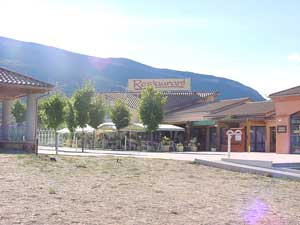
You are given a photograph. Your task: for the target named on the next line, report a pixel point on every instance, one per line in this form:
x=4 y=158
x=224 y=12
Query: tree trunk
x=82 y=141
x=56 y=142
x=94 y=134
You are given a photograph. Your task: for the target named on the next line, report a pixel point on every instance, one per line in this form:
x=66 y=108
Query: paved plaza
x=188 y=156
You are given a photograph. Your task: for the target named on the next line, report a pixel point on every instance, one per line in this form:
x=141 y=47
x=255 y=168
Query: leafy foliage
x=120 y=115
x=53 y=111
x=19 y=111
x=82 y=99
x=97 y=112
x=70 y=116
x=151 y=108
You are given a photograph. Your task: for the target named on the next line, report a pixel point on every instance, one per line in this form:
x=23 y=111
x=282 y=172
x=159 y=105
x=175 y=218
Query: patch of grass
x=80 y=165
x=52 y=191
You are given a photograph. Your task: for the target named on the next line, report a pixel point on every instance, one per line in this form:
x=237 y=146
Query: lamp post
x=230 y=133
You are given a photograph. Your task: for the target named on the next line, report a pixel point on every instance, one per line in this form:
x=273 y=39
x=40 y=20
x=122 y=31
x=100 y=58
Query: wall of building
x=285 y=107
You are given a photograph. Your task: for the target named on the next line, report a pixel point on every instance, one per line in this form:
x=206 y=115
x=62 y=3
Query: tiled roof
x=248 y=109
x=174 y=99
x=8 y=77
x=177 y=100
x=129 y=99
x=290 y=91
x=198 y=111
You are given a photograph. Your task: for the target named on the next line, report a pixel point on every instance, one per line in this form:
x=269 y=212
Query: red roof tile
x=8 y=77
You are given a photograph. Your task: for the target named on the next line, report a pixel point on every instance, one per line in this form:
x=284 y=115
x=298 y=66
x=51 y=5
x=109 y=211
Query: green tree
x=82 y=102
x=53 y=114
x=19 y=111
x=151 y=108
x=96 y=114
x=120 y=115
x=70 y=116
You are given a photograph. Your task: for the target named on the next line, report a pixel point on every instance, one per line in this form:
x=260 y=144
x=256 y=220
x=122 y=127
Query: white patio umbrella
x=135 y=127
x=169 y=127
x=139 y=127
x=63 y=131
x=86 y=129
x=108 y=126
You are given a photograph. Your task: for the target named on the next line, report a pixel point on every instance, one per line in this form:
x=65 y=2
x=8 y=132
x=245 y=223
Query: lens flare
x=255 y=212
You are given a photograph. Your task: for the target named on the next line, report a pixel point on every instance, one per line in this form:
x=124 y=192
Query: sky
x=255 y=42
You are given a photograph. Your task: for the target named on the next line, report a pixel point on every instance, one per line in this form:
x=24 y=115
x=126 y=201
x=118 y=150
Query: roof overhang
x=8 y=91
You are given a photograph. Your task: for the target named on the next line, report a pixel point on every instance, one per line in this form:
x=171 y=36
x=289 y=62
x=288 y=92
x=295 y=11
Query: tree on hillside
x=96 y=114
x=53 y=114
x=82 y=102
x=151 y=108
x=19 y=111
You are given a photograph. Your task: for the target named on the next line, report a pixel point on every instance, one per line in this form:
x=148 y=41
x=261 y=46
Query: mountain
x=68 y=70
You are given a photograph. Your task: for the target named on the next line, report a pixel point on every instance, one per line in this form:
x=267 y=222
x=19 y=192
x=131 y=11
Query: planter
x=180 y=148
x=194 y=148
x=165 y=148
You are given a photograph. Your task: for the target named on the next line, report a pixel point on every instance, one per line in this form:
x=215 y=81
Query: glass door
x=295 y=133
x=213 y=138
x=258 y=139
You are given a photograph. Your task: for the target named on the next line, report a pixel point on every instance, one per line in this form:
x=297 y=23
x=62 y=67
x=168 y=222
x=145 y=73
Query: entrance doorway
x=258 y=139
x=272 y=139
x=199 y=137
x=295 y=133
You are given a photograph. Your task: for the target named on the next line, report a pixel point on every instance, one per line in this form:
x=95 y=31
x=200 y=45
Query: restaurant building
x=267 y=126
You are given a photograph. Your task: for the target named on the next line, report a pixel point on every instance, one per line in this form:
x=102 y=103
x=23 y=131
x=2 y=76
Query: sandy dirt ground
x=108 y=190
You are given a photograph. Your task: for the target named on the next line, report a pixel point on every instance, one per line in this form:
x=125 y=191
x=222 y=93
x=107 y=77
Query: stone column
x=6 y=118
x=31 y=117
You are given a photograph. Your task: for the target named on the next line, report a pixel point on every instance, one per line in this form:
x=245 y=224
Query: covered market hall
x=13 y=86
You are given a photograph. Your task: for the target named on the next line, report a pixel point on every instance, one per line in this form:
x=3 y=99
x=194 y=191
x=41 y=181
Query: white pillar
x=31 y=117
x=6 y=118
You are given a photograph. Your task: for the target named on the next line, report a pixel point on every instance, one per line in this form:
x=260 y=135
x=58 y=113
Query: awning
x=138 y=127
x=204 y=123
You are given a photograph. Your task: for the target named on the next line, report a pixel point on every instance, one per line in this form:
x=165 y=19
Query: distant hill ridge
x=68 y=70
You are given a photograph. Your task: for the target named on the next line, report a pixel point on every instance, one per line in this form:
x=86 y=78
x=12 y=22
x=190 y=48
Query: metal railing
x=15 y=132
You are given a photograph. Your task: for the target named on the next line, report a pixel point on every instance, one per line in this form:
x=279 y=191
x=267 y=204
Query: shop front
x=295 y=133
x=287 y=106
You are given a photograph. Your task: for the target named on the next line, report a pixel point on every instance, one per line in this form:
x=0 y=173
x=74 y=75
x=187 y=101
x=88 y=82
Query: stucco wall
x=285 y=107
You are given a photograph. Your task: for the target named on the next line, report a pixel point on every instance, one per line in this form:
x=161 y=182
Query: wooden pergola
x=13 y=86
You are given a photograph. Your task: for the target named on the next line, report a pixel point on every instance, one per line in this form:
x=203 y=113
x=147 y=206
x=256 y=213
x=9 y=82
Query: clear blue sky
x=256 y=42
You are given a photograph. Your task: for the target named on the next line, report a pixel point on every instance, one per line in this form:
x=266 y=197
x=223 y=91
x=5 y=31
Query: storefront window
x=258 y=139
x=213 y=138
x=295 y=133
x=223 y=136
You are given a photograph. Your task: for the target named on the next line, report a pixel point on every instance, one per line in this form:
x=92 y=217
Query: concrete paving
x=189 y=156
x=213 y=159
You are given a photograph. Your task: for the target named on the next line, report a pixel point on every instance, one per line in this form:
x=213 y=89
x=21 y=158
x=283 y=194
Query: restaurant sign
x=137 y=85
